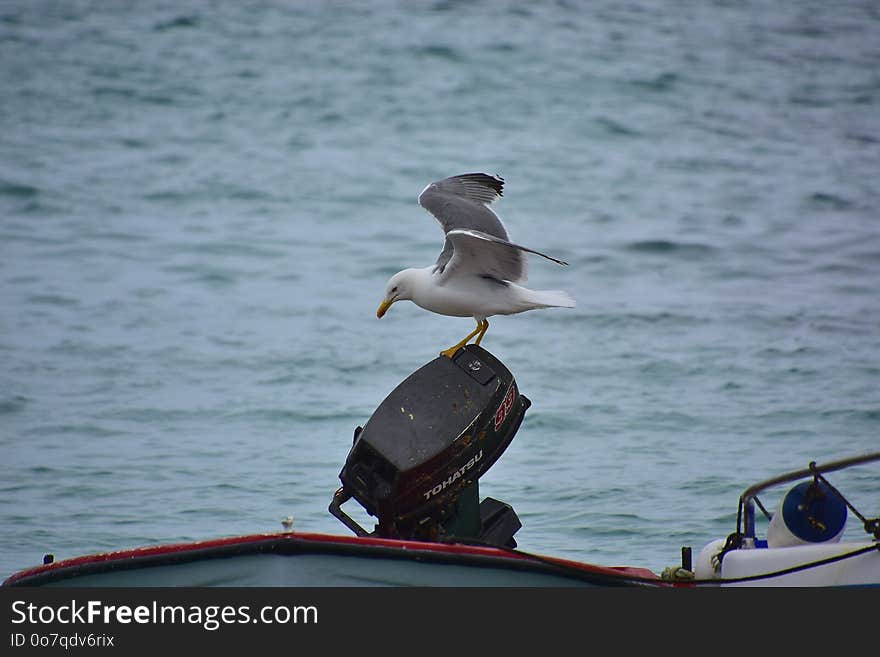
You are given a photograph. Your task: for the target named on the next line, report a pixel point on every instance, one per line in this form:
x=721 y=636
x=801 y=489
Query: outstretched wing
x=462 y=203
x=481 y=254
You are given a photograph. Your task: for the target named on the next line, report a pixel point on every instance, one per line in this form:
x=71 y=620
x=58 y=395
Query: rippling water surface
x=200 y=204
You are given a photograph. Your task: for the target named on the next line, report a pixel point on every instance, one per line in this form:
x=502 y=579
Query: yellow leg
x=449 y=353
x=483 y=331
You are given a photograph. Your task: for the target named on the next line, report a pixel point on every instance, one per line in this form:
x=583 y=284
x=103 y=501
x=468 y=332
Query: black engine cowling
x=416 y=462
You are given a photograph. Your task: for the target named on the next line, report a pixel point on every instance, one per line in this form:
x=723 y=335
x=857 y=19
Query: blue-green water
x=200 y=204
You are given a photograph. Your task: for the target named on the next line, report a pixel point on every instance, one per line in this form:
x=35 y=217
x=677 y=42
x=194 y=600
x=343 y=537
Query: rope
x=761 y=506
x=793 y=569
x=871 y=525
x=636 y=579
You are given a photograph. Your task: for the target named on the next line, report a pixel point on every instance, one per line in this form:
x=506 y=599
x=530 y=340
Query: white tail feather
x=550 y=299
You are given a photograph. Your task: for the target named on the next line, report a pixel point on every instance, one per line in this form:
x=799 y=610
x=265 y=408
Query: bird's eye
x=393 y=289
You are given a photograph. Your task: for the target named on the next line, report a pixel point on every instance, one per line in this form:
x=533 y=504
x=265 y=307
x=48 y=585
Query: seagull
x=480 y=271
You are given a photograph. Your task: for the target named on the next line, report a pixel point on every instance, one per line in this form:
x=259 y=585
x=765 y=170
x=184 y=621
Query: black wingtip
x=495 y=182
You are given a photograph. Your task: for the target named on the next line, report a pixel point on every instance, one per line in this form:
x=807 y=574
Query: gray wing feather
x=461 y=203
x=481 y=254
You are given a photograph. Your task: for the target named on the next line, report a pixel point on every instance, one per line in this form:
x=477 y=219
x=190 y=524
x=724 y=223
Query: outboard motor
x=416 y=462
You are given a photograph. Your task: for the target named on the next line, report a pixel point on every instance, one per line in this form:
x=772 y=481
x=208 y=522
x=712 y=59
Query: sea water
x=201 y=203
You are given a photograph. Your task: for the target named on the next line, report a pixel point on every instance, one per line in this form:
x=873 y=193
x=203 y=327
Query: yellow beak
x=383 y=307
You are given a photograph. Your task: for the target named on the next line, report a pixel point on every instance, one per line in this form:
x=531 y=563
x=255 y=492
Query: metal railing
x=745 y=520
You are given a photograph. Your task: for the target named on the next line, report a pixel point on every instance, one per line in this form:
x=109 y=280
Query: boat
x=294 y=559
x=803 y=546
x=415 y=466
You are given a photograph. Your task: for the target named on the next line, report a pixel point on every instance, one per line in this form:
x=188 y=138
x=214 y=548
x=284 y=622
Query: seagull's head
x=399 y=288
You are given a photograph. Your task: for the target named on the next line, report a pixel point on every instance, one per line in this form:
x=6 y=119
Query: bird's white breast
x=461 y=296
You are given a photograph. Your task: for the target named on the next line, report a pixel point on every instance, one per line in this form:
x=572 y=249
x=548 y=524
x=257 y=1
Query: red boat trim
x=291 y=543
